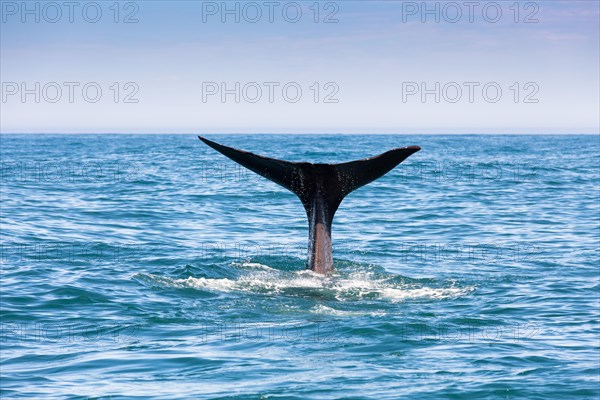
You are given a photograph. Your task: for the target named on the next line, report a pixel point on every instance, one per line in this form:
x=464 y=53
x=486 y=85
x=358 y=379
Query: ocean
x=151 y=266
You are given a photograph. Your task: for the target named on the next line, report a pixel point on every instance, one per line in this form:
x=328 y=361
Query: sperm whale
x=320 y=187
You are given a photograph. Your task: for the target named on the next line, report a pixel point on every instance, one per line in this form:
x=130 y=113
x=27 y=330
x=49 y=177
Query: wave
x=342 y=286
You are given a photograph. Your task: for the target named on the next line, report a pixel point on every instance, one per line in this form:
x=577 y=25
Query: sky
x=299 y=67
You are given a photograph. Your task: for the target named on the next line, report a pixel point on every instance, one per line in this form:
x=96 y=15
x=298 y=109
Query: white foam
x=354 y=287
x=395 y=294
x=253 y=266
x=325 y=310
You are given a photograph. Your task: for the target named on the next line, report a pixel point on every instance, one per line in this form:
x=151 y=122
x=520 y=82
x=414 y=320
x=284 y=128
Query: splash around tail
x=320 y=187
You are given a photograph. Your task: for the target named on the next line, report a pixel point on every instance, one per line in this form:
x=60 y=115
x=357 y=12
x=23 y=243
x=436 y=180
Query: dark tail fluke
x=320 y=187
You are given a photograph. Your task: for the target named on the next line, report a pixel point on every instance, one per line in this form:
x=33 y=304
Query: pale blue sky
x=374 y=50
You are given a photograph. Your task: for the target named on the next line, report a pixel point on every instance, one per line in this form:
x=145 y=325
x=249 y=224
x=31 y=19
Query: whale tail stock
x=320 y=187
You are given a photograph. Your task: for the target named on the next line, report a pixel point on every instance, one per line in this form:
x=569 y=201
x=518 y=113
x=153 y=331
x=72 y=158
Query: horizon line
x=309 y=133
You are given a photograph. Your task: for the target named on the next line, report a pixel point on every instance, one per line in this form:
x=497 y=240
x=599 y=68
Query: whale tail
x=320 y=187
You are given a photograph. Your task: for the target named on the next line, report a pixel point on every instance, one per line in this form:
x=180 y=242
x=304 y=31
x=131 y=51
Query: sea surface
x=151 y=266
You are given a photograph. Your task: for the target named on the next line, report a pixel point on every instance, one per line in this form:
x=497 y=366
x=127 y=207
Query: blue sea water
x=150 y=266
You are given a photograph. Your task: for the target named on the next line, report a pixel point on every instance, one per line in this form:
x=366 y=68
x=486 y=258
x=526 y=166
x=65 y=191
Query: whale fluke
x=320 y=187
